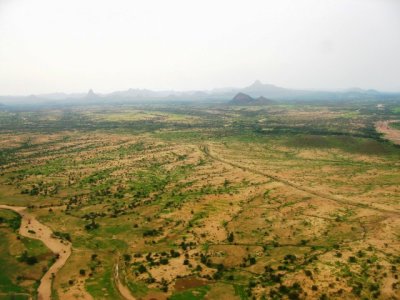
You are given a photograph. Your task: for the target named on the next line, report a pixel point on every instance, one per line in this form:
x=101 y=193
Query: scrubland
x=204 y=201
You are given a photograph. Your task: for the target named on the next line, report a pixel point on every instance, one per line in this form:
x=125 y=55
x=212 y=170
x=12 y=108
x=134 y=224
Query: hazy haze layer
x=70 y=46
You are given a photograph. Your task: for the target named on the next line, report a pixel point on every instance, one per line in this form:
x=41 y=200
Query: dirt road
x=207 y=151
x=123 y=290
x=29 y=224
x=389 y=133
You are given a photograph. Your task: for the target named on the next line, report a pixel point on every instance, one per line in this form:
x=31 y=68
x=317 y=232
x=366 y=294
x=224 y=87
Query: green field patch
x=97 y=176
x=138 y=289
x=192 y=294
x=10 y=218
x=395 y=125
x=34 y=247
x=9 y=268
x=396 y=110
x=350 y=115
x=181 y=135
x=55 y=166
x=13 y=269
x=344 y=143
x=240 y=291
x=101 y=285
x=100 y=243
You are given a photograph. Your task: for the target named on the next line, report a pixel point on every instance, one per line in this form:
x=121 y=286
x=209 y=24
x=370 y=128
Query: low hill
x=241 y=99
x=244 y=99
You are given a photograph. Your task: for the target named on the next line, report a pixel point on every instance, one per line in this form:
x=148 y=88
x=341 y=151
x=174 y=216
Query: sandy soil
x=390 y=133
x=123 y=290
x=29 y=224
x=208 y=151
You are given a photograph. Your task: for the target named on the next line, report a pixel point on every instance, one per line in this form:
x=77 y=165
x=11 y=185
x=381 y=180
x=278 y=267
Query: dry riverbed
x=32 y=228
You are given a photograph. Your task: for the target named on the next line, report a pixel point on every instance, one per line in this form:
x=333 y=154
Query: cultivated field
x=295 y=201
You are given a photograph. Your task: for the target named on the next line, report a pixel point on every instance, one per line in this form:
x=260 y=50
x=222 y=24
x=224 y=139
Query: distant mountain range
x=255 y=90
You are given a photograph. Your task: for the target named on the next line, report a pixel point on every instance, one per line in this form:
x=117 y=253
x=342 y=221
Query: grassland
x=207 y=201
x=23 y=261
x=395 y=125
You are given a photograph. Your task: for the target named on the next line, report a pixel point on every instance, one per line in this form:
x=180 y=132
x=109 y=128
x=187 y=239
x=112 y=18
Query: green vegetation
x=10 y=219
x=191 y=294
x=292 y=201
x=22 y=260
x=395 y=125
x=101 y=285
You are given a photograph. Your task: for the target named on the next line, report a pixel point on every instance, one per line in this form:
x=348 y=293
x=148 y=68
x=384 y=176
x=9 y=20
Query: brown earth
x=389 y=133
x=32 y=228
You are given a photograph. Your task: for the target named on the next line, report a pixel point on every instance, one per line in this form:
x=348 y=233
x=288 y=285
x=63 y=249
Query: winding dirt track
x=123 y=290
x=44 y=234
x=206 y=150
x=389 y=133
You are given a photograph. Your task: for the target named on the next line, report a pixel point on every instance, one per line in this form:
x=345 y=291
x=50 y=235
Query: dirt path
x=43 y=233
x=123 y=290
x=389 y=133
x=206 y=150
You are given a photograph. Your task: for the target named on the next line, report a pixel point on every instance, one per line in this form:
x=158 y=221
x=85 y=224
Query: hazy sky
x=74 y=45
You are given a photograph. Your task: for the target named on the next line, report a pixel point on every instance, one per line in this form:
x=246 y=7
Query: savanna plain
x=201 y=201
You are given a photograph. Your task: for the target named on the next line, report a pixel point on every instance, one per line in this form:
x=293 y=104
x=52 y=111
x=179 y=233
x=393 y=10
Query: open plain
x=205 y=201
